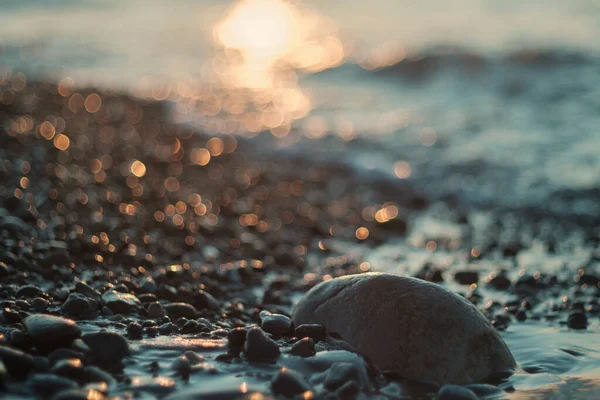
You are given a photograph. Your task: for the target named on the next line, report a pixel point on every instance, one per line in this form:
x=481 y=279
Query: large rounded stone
x=49 y=332
x=415 y=328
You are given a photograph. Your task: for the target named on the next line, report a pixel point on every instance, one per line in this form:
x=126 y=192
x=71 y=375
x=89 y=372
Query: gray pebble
x=121 y=303
x=277 y=324
x=289 y=383
x=107 y=347
x=155 y=310
x=259 y=347
x=454 y=392
x=180 y=310
x=304 y=348
x=50 y=332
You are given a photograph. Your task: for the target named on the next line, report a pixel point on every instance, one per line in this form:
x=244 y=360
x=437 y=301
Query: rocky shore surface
x=143 y=259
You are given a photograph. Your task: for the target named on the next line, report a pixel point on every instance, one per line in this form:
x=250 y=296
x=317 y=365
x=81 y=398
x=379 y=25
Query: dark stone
x=236 y=339
x=277 y=324
x=17 y=363
x=48 y=384
x=289 y=383
x=259 y=347
x=521 y=315
x=88 y=291
x=106 y=347
x=30 y=291
x=80 y=306
x=135 y=330
x=50 y=332
x=63 y=354
x=79 y=394
x=167 y=328
x=343 y=372
x=304 y=347
x=155 y=310
x=577 y=320
x=484 y=390
x=348 y=390
x=121 y=303
x=71 y=368
x=314 y=331
x=204 y=300
x=94 y=374
x=466 y=277
x=454 y=392
x=180 y=310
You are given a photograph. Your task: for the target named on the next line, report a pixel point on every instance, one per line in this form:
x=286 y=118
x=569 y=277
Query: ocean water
x=493 y=104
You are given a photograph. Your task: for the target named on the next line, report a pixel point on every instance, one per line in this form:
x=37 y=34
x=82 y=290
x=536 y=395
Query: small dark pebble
x=483 y=390
x=289 y=383
x=79 y=306
x=500 y=282
x=63 y=354
x=304 y=347
x=40 y=304
x=259 y=347
x=121 y=303
x=135 y=330
x=180 y=310
x=107 y=347
x=314 y=331
x=78 y=394
x=521 y=315
x=88 y=291
x=94 y=375
x=30 y=291
x=454 y=392
x=577 y=320
x=167 y=328
x=155 y=310
x=236 y=339
x=71 y=368
x=466 y=277
x=277 y=324
x=48 y=384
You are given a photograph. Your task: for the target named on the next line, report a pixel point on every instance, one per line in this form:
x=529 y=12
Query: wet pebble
x=71 y=368
x=39 y=304
x=107 y=348
x=121 y=303
x=258 y=347
x=180 y=310
x=48 y=384
x=88 y=291
x=577 y=320
x=17 y=363
x=155 y=310
x=79 y=394
x=50 y=332
x=304 y=348
x=289 y=383
x=277 y=324
x=343 y=372
x=159 y=386
x=79 y=306
x=454 y=392
x=29 y=291
x=466 y=277
x=135 y=330
x=63 y=354
x=314 y=331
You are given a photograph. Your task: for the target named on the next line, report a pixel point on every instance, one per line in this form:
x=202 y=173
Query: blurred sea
x=492 y=102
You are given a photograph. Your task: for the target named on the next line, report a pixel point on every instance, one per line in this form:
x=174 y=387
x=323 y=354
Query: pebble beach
x=159 y=240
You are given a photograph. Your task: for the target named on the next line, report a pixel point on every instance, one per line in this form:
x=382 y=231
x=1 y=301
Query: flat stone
x=343 y=372
x=50 y=332
x=180 y=310
x=79 y=306
x=304 y=347
x=277 y=324
x=121 y=303
x=417 y=329
x=454 y=392
x=314 y=331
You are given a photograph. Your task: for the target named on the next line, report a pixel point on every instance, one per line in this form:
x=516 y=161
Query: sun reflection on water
x=251 y=82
